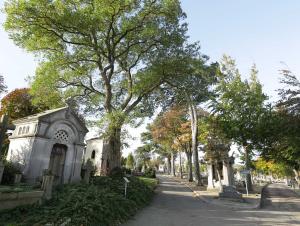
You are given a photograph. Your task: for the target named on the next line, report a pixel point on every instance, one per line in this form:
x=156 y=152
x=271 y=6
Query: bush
x=10 y=170
x=126 y=170
x=100 y=203
x=150 y=172
x=117 y=172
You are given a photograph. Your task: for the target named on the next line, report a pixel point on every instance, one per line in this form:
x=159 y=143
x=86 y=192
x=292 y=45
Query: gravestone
x=47 y=186
x=230 y=192
x=88 y=168
x=18 y=178
x=4 y=126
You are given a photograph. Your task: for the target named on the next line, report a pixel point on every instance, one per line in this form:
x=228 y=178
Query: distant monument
x=219 y=164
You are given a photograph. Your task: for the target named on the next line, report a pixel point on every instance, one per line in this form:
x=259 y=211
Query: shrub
x=10 y=170
x=117 y=172
x=100 y=203
x=150 y=172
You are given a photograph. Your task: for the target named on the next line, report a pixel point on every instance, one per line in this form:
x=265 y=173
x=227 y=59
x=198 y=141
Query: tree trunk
x=247 y=165
x=173 y=164
x=296 y=172
x=180 y=165
x=189 y=159
x=194 y=126
x=112 y=148
x=169 y=165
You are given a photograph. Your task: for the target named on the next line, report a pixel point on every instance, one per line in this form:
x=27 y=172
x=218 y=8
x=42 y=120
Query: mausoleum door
x=57 y=162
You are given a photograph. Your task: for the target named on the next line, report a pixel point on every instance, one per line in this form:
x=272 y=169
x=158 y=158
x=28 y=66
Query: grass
x=100 y=203
x=150 y=182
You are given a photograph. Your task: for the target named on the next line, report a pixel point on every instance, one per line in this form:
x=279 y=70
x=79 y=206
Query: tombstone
x=88 y=168
x=18 y=178
x=229 y=192
x=4 y=126
x=47 y=186
x=51 y=140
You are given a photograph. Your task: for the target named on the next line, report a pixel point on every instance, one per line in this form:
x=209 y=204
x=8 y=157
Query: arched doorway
x=57 y=162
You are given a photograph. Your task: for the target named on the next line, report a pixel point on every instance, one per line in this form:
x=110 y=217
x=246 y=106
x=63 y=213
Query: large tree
x=99 y=52
x=239 y=108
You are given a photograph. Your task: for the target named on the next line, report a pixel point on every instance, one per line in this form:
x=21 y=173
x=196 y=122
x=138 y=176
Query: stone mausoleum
x=52 y=140
x=95 y=151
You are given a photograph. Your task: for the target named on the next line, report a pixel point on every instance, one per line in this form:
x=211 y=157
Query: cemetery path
x=175 y=205
x=281 y=197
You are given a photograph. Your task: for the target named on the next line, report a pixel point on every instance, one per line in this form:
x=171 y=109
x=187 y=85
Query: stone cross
x=4 y=126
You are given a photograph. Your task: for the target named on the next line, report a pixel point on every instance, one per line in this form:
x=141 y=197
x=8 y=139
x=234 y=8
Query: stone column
x=210 y=183
x=225 y=174
x=1 y=170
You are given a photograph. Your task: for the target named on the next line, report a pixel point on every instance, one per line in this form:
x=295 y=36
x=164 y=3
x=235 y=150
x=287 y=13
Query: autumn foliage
x=18 y=104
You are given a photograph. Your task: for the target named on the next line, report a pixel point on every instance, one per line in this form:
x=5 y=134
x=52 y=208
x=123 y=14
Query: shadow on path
x=174 y=204
x=281 y=197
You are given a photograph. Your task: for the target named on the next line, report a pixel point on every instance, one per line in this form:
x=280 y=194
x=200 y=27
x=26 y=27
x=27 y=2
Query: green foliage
x=280 y=139
x=3 y=87
x=150 y=182
x=130 y=161
x=18 y=104
x=240 y=106
x=150 y=172
x=271 y=167
x=100 y=203
x=9 y=173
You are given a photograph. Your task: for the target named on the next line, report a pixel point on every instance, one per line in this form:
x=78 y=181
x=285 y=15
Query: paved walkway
x=281 y=197
x=175 y=205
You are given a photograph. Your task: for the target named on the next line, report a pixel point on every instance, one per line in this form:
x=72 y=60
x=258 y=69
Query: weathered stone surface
x=12 y=200
x=1 y=170
x=51 y=140
x=230 y=192
x=47 y=186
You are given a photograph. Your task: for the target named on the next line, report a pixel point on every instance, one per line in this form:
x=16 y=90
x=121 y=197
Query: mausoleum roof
x=46 y=113
x=38 y=115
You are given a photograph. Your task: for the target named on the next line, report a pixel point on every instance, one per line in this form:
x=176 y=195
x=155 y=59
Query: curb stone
x=231 y=206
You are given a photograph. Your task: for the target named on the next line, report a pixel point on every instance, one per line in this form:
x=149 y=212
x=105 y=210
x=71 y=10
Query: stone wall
x=14 y=199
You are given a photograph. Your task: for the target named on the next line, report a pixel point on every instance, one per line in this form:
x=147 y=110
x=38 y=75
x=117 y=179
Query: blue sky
x=251 y=31
x=265 y=32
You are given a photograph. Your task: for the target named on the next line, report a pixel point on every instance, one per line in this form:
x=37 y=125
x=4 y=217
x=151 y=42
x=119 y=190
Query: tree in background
x=18 y=104
x=290 y=94
x=143 y=156
x=280 y=128
x=272 y=168
x=3 y=87
x=130 y=163
x=191 y=86
x=101 y=53
x=184 y=142
x=239 y=108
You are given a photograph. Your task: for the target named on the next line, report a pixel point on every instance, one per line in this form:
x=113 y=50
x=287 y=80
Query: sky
x=264 y=32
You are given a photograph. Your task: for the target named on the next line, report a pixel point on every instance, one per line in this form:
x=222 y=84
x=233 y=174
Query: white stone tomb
x=52 y=140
